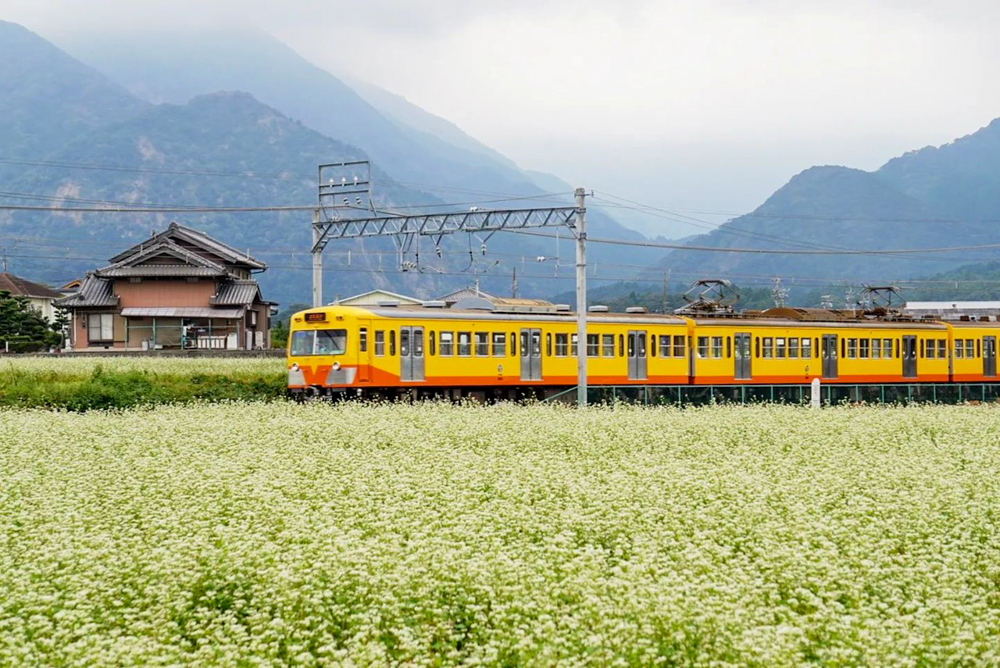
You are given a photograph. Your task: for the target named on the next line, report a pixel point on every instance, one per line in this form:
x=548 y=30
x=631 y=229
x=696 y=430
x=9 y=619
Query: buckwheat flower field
x=261 y=534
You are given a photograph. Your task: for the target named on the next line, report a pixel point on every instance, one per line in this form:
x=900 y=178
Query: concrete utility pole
x=581 y=299
x=317 y=259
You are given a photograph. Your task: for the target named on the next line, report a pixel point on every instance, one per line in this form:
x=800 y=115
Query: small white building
x=373 y=297
x=953 y=310
x=39 y=296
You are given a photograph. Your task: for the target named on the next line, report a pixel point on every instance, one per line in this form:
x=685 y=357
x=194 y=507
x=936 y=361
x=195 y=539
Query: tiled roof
x=182 y=312
x=236 y=293
x=132 y=265
x=196 y=238
x=157 y=270
x=19 y=286
x=93 y=291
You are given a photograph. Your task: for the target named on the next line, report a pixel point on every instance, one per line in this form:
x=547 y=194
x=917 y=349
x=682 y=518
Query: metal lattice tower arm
x=440 y=224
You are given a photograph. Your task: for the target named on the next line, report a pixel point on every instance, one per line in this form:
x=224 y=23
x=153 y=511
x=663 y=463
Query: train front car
x=322 y=354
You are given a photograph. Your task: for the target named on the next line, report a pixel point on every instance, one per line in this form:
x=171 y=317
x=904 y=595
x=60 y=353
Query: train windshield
x=319 y=342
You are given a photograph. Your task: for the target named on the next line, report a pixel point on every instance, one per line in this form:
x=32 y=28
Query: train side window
x=573 y=345
x=717 y=347
x=363 y=340
x=779 y=348
x=593 y=345
x=513 y=344
x=806 y=348
x=641 y=336
x=959 y=348
x=921 y=349
x=756 y=342
x=652 y=345
x=817 y=346
x=482 y=344
x=431 y=348
x=608 y=345
x=970 y=351
x=621 y=345
x=852 y=349
x=876 y=349
x=679 y=347
x=863 y=348
x=897 y=348
x=548 y=345
x=886 y=349
x=447 y=344
x=793 y=348
x=843 y=348
x=768 y=347
x=379 y=343
x=702 y=347
x=464 y=344
x=499 y=344
x=979 y=348
x=392 y=343
x=562 y=345
x=729 y=347
x=942 y=349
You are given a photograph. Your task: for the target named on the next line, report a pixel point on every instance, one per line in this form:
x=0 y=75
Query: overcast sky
x=698 y=105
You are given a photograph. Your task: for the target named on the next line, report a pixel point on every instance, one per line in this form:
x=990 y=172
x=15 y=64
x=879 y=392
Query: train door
x=531 y=354
x=636 y=355
x=411 y=353
x=364 y=351
x=990 y=356
x=829 y=348
x=741 y=356
x=909 y=357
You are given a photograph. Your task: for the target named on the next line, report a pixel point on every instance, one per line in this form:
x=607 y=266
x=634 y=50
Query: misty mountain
x=221 y=149
x=49 y=98
x=931 y=198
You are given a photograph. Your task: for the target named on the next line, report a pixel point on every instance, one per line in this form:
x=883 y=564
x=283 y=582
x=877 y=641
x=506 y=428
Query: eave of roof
x=25 y=288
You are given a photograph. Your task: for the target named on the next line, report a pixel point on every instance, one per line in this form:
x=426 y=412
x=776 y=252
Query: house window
x=100 y=327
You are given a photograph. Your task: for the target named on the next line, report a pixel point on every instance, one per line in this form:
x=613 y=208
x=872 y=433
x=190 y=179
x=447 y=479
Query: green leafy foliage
x=22 y=327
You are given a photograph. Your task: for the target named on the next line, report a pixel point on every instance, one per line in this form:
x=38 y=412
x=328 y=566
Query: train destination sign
x=318 y=316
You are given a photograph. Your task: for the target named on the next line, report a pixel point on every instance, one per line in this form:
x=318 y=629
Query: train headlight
x=295 y=366
x=336 y=366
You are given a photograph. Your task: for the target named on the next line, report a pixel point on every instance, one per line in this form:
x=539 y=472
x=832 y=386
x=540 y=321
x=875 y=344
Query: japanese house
x=179 y=289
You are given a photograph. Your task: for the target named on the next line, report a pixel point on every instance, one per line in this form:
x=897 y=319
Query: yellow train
x=477 y=348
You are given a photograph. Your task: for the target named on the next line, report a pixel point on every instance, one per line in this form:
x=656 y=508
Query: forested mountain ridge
x=48 y=98
x=932 y=198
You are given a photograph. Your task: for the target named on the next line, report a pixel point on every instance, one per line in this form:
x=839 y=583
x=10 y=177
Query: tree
x=22 y=327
